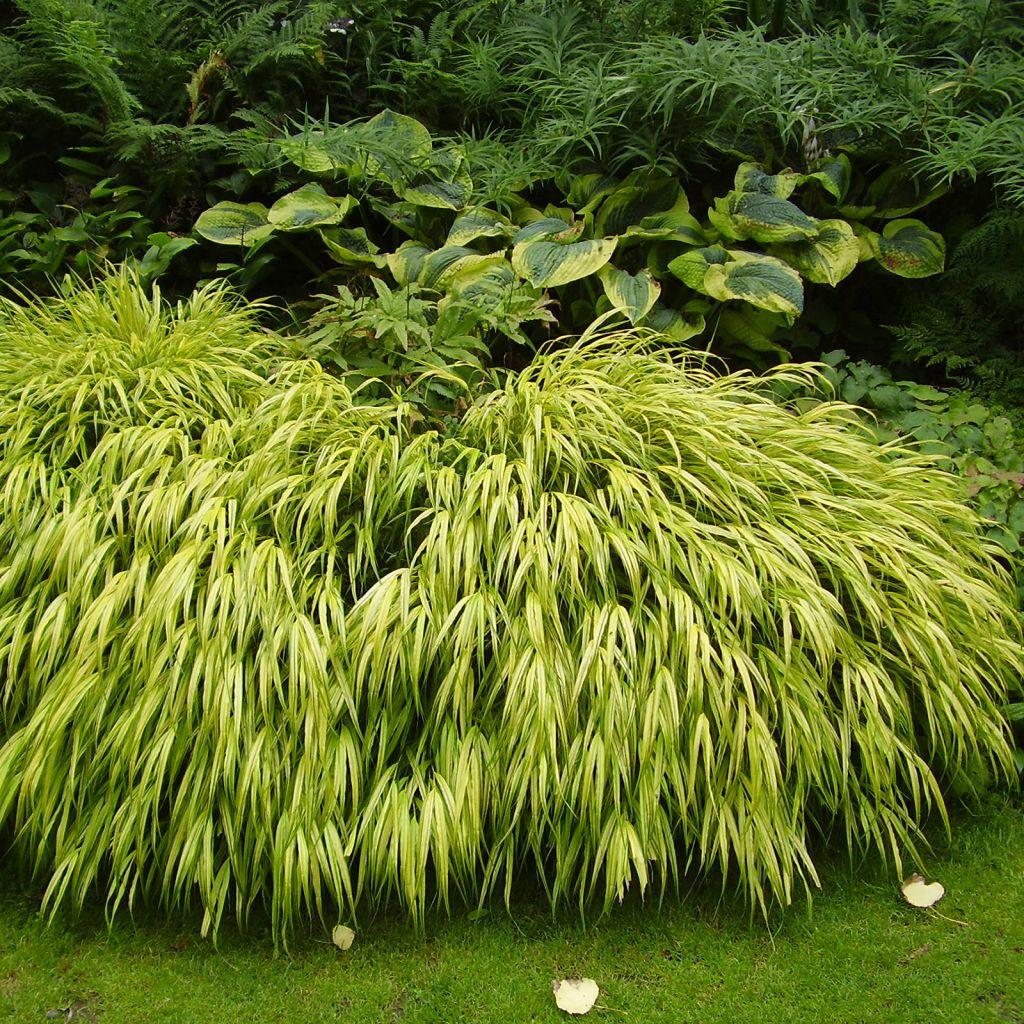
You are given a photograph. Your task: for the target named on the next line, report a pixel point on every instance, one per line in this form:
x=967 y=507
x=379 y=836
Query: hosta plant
x=264 y=644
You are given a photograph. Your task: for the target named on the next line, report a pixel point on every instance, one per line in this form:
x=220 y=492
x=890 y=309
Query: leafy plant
x=265 y=643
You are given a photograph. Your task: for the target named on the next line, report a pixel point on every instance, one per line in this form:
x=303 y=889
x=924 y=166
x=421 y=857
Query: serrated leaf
x=549 y=264
x=908 y=248
x=231 y=223
x=827 y=259
x=308 y=206
x=631 y=294
x=575 y=995
x=343 y=937
x=919 y=893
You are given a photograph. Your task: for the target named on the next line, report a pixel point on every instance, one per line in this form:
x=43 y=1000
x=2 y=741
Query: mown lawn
x=860 y=956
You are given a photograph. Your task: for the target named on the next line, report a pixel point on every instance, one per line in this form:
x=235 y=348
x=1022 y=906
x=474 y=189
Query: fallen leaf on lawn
x=575 y=995
x=343 y=937
x=919 y=893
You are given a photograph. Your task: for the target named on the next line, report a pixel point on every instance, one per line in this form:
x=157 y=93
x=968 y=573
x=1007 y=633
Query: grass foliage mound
x=263 y=644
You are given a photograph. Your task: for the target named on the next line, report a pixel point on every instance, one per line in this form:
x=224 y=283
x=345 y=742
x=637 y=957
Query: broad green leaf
x=631 y=203
x=910 y=249
x=307 y=207
x=478 y=222
x=550 y=228
x=674 y=324
x=406 y=262
x=351 y=247
x=235 y=223
x=691 y=267
x=673 y=225
x=834 y=176
x=484 y=283
x=308 y=152
x=826 y=259
x=444 y=263
x=895 y=193
x=753 y=329
x=587 y=190
x=631 y=294
x=761 y=218
x=399 y=134
x=751 y=177
x=549 y=264
x=762 y=281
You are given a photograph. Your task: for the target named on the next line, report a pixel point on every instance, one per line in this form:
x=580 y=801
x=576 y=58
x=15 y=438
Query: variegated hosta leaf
x=549 y=228
x=691 y=267
x=234 y=223
x=834 y=176
x=549 y=264
x=486 y=285
x=308 y=207
x=751 y=177
x=910 y=249
x=406 y=262
x=308 y=152
x=640 y=196
x=587 y=190
x=676 y=324
x=441 y=265
x=397 y=133
x=478 y=222
x=762 y=281
x=826 y=259
x=439 y=194
x=631 y=294
x=673 y=225
x=760 y=218
x=351 y=247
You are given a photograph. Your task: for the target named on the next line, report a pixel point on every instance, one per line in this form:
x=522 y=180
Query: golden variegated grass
x=262 y=644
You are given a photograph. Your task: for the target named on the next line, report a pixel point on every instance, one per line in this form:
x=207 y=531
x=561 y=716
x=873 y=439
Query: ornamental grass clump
x=265 y=645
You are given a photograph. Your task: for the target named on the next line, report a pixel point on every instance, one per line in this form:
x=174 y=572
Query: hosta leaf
x=486 y=284
x=673 y=225
x=691 y=267
x=307 y=152
x=751 y=177
x=753 y=329
x=478 y=222
x=631 y=203
x=762 y=281
x=351 y=247
x=399 y=134
x=910 y=249
x=761 y=218
x=307 y=207
x=677 y=325
x=442 y=264
x=631 y=294
x=549 y=264
x=552 y=228
x=834 y=176
x=234 y=223
x=826 y=259
x=406 y=262
x=587 y=190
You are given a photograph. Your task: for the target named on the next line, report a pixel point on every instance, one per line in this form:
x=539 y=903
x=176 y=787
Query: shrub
x=263 y=644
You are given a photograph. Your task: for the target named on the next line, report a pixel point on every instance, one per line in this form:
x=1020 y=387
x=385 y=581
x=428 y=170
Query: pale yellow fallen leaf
x=343 y=937
x=919 y=893
x=575 y=995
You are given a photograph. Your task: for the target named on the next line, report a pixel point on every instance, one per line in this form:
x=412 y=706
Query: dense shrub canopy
x=263 y=643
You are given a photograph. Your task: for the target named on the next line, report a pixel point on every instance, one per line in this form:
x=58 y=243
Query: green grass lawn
x=861 y=955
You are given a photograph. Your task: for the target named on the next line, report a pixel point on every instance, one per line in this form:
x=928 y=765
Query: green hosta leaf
x=440 y=266
x=307 y=152
x=550 y=228
x=673 y=225
x=631 y=294
x=910 y=249
x=308 y=206
x=235 y=223
x=631 y=203
x=761 y=218
x=691 y=267
x=351 y=247
x=762 y=281
x=485 y=284
x=406 y=262
x=751 y=177
x=395 y=136
x=895 y=193
x=677 y=325
x=834 y=176
x=587 y=190
x=753 y=329
x=549 y=264
x=478 y=222
x=826 y=259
